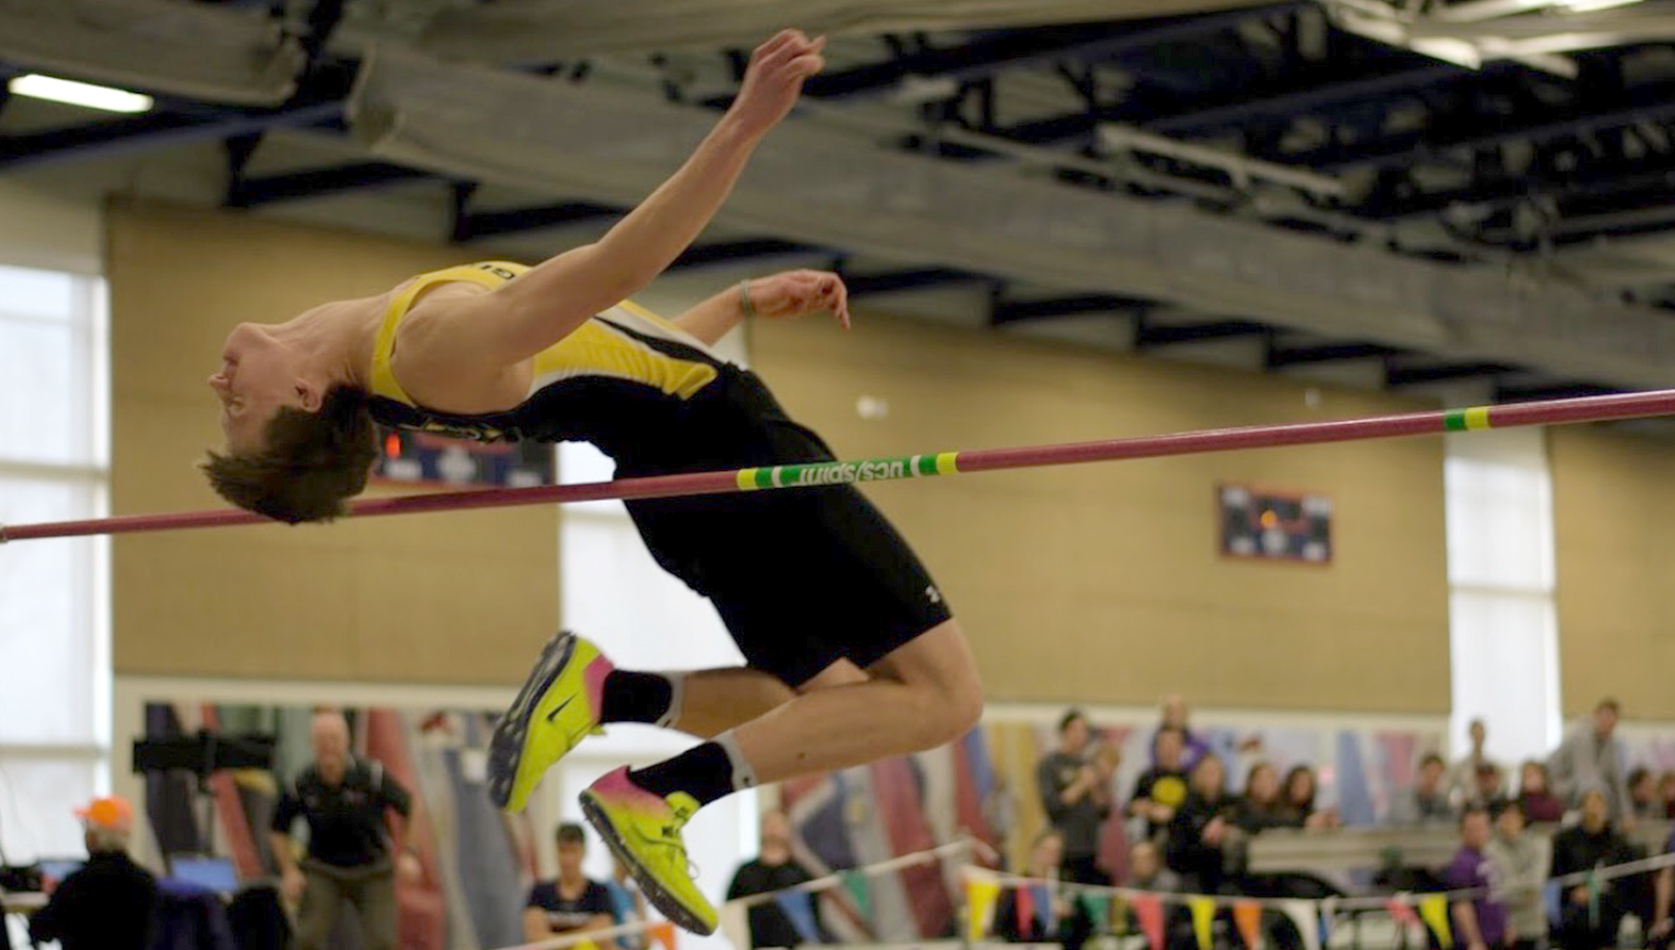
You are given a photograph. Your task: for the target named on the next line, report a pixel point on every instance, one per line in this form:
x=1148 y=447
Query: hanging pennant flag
x=860 y=891
x=1552 y=896
x=1148 y=910
x=1203 y=916
x=1593 y=898
x=798 y=907
x=1046 y=915
x=1306 y=919
x=664 y=933
x=1098 y=909
x=1247 y=917
x=734 y=923
x=1401 y=911
x=1119 y=914
x=981 y=895
x=1433 y=909
x=1328 y=915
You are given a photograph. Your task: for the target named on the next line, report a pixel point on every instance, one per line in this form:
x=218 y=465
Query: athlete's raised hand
x=774 y=79
x=793 y=293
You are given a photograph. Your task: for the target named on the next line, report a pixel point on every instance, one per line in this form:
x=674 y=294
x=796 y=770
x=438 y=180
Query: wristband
x=745 y=306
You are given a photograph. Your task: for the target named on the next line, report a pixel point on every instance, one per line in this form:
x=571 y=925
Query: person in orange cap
x=110 y=903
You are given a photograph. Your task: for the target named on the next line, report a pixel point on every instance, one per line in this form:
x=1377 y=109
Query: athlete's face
x=257 y=376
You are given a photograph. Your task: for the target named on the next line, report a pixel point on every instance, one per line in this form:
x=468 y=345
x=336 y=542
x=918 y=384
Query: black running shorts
x=802 y=577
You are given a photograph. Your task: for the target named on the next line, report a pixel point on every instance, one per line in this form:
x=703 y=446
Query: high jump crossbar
x=1639 y=405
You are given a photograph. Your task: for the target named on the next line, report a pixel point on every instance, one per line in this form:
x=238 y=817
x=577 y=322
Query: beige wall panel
x=1101 y=583
x=1613 y=510
x=454 y=598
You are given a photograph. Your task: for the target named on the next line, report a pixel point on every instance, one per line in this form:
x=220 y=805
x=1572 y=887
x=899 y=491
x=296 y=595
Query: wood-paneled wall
x=1614 y=513
x=454 y=598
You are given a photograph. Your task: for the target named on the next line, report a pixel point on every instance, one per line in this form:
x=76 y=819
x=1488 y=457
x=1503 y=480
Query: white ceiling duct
x=539 y=30
x=813 y=184
x=175 y=47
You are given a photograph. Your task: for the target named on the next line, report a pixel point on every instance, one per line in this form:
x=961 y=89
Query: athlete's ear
x=309 y=397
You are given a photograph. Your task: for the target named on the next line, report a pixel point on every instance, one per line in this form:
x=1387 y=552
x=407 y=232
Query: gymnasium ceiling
x=1411 y=195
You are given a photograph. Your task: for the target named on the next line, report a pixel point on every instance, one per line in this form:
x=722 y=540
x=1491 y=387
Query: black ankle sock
x=631 y=696
x=705 y=772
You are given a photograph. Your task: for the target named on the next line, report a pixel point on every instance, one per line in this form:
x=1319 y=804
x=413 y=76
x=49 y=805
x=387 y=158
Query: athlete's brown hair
x=313 y=462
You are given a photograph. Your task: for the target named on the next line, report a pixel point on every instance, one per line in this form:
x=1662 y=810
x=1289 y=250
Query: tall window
x=1504 y=633
x=54 y=595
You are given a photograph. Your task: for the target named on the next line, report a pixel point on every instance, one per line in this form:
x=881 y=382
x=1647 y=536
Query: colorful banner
x=1098 y=909
x=664 y=934
x=1433 y=909
x=860 y=891
x=1247 y=918
x=734 y=923
x=798 y=907
x=1401 y=910
x=981 y=894
x=1592 y=885
x=1203 y=917
x=1148 y=910
x=1306 y=919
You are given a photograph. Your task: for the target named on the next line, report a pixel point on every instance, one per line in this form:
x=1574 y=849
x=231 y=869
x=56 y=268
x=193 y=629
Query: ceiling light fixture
x=86 y=95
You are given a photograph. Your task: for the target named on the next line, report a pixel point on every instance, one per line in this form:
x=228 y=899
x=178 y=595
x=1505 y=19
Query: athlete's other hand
x=774 y=79
x=793 y=293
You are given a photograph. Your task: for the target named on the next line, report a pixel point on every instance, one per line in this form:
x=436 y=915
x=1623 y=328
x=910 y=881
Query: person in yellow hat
x=110 y=903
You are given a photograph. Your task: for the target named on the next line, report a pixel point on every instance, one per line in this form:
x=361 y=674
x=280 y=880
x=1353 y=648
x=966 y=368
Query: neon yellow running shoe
x=644 y=831
x=558 y=707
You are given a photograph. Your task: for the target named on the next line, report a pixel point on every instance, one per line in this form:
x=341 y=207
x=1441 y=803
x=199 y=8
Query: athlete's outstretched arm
x=551 y=300
x=789 y=293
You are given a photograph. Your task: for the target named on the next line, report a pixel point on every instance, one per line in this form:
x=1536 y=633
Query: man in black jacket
x=111 y=902
x=1590 y=922
x=776 y=869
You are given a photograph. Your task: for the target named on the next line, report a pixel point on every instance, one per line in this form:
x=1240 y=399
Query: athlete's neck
x=336 y=340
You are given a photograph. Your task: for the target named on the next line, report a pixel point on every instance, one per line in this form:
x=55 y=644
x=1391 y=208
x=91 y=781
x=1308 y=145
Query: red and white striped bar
x=1550 y=412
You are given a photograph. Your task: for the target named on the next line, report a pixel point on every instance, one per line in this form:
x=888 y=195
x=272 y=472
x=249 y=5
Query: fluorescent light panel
x=87 y=95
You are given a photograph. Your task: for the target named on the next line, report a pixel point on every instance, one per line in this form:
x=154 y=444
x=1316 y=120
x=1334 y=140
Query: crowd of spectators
x=1190 y=821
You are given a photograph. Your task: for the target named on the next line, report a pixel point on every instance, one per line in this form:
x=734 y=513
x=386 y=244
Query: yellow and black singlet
x=622 y=378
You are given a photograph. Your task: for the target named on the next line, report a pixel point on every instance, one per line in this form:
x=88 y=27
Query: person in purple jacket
x=1479 y=922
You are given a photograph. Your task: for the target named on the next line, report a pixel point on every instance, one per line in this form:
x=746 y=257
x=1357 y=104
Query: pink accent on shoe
x=618 y=787
x=594 y=676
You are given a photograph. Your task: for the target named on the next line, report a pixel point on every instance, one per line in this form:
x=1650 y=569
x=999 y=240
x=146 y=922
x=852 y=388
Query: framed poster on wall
x=425 y=458
x=1275 y=525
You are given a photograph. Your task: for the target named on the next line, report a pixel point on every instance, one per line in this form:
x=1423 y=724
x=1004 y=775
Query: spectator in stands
x=1588 y=923
x=1259 y=808
x=1201 y=832
x=1535 y=797
x=1644 y=803
x=1147 y=872
x=1666 y=793
x=1043 y=912
x=1174 y=716
x=1462 y=778
x=1489 y=788
x=1161 y=789
x=1521 y=861
x=1592 y=757
x=775 y=869
x=571 y=902
x=1297 y=802
x=1480 y=922
x=1428 y=800
x=1076 y=795
x=110 y=903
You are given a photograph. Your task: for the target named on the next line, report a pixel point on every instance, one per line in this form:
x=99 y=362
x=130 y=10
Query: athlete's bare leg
x=714 y=701
x=921 y=695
